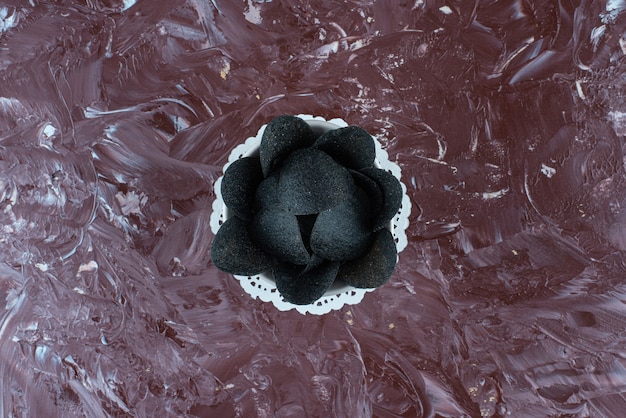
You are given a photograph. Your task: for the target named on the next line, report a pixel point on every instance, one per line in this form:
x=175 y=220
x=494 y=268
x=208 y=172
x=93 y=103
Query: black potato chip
x=375 y=267
x=392 y=195
x=306 y=223
x=311 y=210
x=281 y=137
x=311 y=181
x=371 y=189
x=279 y=234
x=267 y=195
x=341 y=233
x=314 y=262
x=239 y=185
x=352 y=147
x=304 y=288
x=234 y=252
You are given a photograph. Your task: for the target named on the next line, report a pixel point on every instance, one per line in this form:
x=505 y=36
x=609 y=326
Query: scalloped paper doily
x=262 y=286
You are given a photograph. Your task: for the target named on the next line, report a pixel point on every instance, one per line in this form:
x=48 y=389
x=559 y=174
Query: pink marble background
x=508 y=121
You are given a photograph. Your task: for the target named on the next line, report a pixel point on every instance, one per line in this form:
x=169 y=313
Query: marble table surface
x=507 y=119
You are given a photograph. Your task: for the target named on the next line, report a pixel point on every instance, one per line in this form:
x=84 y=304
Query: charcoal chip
x=311 y=181
x=234 y=252
x=278 y=233
x=375 y=267
x=341 y=233
x=352 y=146
x=303 y=288
x=239 y=185
x=283 y=135
x=392 y=195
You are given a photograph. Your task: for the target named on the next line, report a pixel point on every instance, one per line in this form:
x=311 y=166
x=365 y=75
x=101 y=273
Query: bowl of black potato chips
x=310 y=210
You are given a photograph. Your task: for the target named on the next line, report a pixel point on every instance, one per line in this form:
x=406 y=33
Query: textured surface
x=507 y=118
